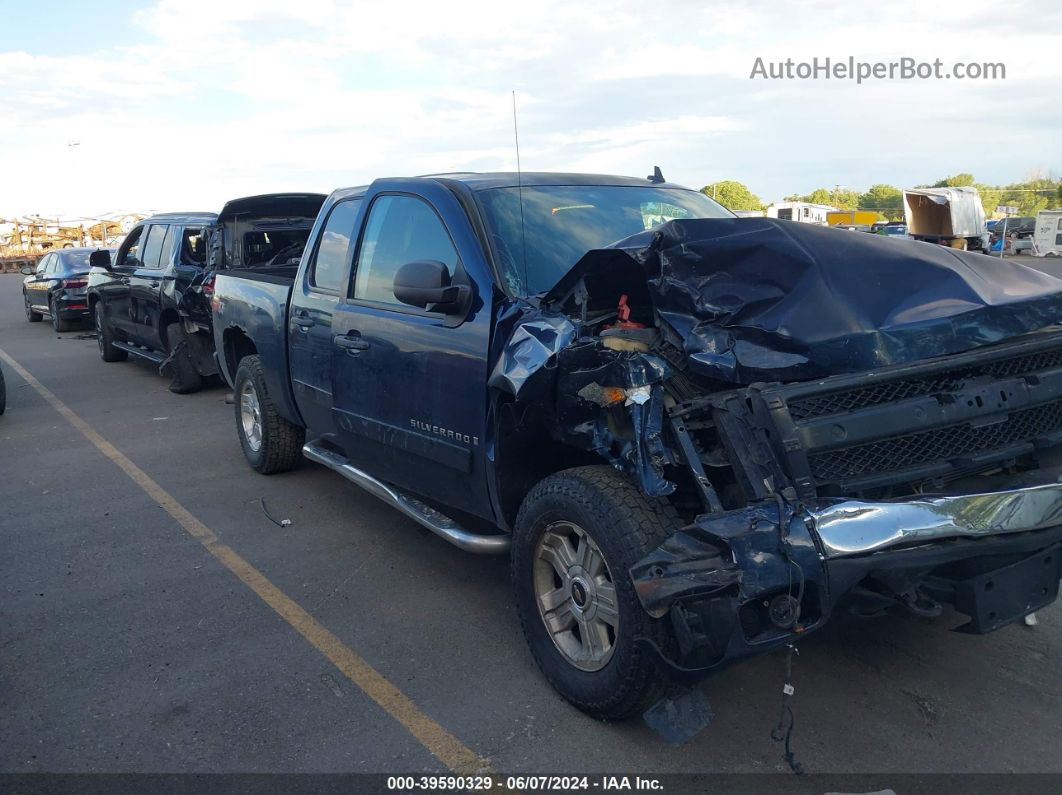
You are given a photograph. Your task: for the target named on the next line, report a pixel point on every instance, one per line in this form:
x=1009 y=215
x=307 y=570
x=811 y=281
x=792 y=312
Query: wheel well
x=236 y=345
x=527 y=453
x=167 y=317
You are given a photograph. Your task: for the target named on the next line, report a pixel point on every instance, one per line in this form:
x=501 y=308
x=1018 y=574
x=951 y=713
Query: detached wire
x=786 y=720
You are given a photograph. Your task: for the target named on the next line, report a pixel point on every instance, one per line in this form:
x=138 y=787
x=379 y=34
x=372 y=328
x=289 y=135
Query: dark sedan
x=57 y=288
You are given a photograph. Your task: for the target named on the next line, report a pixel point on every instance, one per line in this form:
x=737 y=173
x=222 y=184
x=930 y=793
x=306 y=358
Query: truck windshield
x=561 y=224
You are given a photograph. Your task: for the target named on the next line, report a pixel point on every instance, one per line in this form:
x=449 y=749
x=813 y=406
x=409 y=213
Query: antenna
x=520 y=194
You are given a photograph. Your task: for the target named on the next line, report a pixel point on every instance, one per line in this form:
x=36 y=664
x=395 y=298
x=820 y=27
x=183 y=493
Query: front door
x=145 y=287
x=37 y=286
x=409 y=386
x=114 y=291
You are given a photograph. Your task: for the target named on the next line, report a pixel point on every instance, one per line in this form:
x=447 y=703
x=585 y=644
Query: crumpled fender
x=745 y=548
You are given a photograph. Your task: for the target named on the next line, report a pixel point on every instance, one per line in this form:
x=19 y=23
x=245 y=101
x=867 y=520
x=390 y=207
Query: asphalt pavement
x=128 y=645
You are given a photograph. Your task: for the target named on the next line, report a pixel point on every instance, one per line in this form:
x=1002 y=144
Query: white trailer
x=1047 y=236
x=951 y=216
x=804 y=212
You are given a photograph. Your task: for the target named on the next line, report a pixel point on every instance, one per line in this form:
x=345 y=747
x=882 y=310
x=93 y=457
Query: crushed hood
x=754 y=299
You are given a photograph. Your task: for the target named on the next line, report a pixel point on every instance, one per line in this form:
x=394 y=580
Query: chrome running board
x=438 y=523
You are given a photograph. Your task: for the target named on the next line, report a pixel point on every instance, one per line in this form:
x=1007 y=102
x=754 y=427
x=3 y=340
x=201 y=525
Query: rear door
x=409 y=386
x=313 y=303
x=145 y=286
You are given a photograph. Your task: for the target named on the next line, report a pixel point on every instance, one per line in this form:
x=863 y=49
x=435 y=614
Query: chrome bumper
x=854 y=527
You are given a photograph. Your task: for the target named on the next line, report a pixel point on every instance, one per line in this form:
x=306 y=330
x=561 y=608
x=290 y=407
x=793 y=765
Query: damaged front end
x=749 y=580
x=832 y=415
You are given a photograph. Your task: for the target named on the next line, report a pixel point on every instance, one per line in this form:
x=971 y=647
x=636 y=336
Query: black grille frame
x=905 y=388
x=950 y=443
x=964 y=436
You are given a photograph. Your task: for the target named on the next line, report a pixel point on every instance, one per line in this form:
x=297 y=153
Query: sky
x=184 y=104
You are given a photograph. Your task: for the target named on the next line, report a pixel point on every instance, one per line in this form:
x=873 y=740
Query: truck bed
x=255 y=301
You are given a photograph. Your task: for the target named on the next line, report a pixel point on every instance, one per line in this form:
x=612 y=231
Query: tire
x=58 y=323
x=184 y=378
x=625 y=526
x=105 y=337
x=276 y=446
x=31 y=316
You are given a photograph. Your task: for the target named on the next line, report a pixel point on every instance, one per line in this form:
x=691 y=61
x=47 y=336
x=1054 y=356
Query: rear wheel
x=577 y=535
x=270 y=443
x=31 y=315
x=58 y=323
x=105 y=338
x=184 y=378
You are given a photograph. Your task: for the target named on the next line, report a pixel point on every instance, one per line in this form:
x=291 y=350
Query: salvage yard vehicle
x=57 y=287
x=949 y=216
x=1047 y=237
x=693 y=442
x=153 y=301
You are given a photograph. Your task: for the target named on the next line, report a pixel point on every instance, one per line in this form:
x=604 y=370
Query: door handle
x=353 y=344
x=302 y=320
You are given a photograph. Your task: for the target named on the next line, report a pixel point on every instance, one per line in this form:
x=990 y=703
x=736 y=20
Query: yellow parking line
x=446 y=748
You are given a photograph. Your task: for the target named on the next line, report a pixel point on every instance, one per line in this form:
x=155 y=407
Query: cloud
x=204 y=101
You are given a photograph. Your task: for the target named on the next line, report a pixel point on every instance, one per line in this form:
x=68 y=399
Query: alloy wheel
x=251 y=416
x=576 y=596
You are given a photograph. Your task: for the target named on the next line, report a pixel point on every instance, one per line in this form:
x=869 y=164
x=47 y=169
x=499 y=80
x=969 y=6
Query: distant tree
x=733 y=195
x=886 y=199
x=962 y=180
x=1029 y=197
x=841 y=198
x=844 y=199
x=818 y=196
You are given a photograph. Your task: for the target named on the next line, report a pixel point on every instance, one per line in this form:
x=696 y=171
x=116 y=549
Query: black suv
x=153 y=301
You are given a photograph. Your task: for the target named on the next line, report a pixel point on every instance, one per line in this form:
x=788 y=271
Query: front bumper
x=730 y=582
x=854 y=527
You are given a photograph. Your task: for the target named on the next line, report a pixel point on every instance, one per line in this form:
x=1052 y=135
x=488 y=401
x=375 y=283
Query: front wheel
x=577 y=534
x=105 y=338
x=270 y=443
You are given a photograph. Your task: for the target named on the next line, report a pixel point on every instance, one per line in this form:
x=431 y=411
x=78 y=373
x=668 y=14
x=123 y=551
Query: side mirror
x=27 y=271
x=100 y=259
x=427 y=281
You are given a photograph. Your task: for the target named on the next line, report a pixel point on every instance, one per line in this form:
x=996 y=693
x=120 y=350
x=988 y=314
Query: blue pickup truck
x=695 y=435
